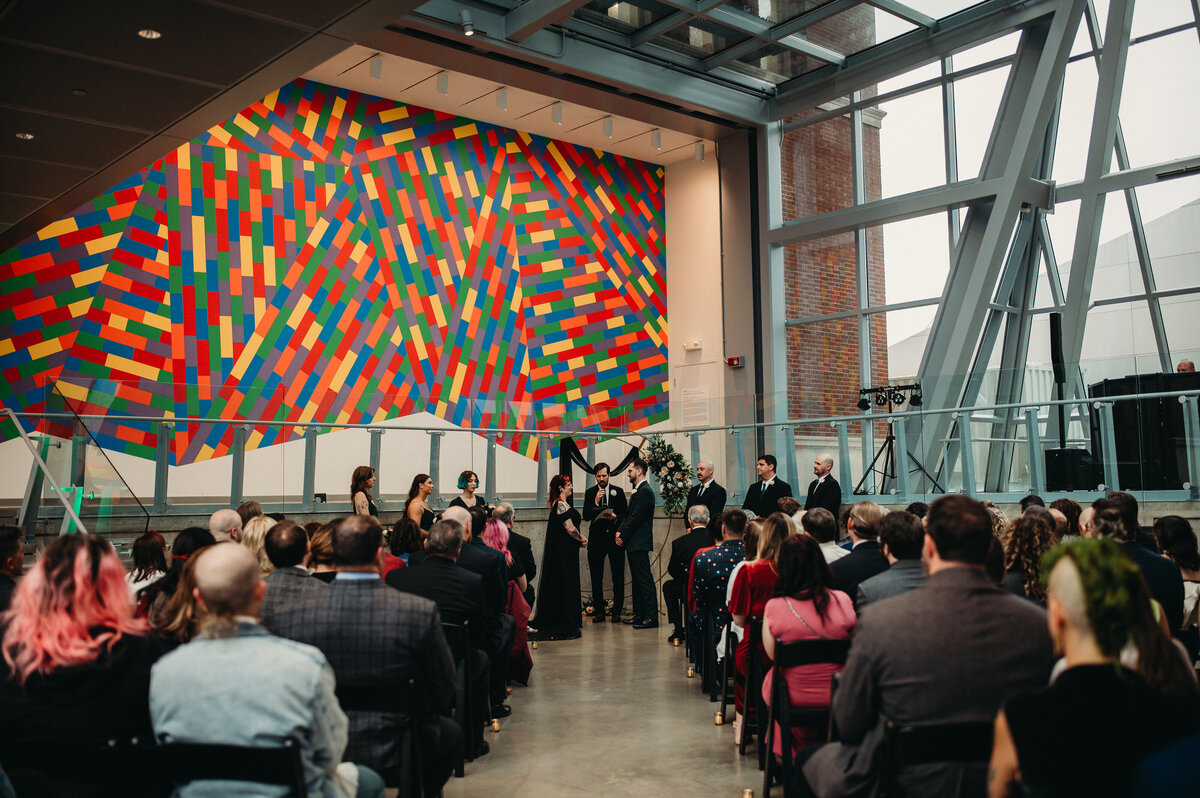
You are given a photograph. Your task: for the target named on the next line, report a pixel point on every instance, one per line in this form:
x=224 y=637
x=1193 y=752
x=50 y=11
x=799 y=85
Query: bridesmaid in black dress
x=559 y=615
x=417 y=506
x=468 y=483
x=361 y=482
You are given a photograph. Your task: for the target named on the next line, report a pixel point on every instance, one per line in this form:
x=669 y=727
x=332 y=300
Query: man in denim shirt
x=238 y=684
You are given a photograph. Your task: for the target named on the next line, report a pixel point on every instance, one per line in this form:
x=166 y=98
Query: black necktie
x=701 y=493
x=764 y=490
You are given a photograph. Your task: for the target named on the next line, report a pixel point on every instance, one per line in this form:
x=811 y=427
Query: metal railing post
x=310 y=469
x=489 y=480
x=435 y=457
x=739 y=494
x=591 y=450
x=787 y=436
x=1033 y=442
x=901 y=454
x=543 y=444
x=162 y=462
x=695 y=446
x=1191 y=433
x=845 y=473
x=1108 y=446
x=31 y=505
x=238 y=453
x=966 y=453
x=376 y=454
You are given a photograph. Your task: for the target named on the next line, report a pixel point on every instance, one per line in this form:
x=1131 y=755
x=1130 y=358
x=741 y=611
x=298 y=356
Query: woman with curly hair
x=1029 y=536
x=74 y=672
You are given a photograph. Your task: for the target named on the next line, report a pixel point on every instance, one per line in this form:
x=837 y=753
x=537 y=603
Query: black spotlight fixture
x=896 y=396
x=914 y=399
x=881 y=399
x=864 y=404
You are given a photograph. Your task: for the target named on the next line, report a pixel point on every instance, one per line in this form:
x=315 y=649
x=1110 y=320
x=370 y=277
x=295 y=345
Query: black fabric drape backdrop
x=568 y=453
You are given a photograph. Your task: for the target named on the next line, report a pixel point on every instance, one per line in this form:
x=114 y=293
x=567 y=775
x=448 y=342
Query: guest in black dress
x=468 y=482
x=1087 y=731
x=559 y=614
x=75 y=673
x=417 y=507
x=361 y=482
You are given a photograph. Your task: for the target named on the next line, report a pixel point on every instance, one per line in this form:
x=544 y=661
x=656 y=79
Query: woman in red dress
x=753 y=588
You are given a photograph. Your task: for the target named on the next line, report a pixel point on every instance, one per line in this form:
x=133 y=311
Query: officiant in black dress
x=559 y=614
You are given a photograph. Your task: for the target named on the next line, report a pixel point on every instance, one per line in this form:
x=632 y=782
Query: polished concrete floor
x=611 y=714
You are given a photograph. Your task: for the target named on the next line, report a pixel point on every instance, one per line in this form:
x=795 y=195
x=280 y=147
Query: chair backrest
x=182 y=763
x=458 y=638
x=715 y=598
x=810 y=652
x=965 y=742
x=398 y=698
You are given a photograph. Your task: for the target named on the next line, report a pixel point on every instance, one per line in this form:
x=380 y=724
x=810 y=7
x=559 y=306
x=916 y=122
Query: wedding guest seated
x=254 y=537
x=821 y=526
x=753 y=588
x=902 y=536
x=458 y=594
x=180 y=618
x=683 y=549
x=805 y=608
x=495 y=536
x=519 y=545
x=405 y=540
x=918 y=509
x=320 y=552
x=789 y=506
x=375 y=637
x=953 y=650
x=153 y=598
x=225 y=526
x=249 y=509
x=12 y=563
x=291 y=695
x=1071 y=511
x=1163 y=577
x=1086 y=732
x=1177 y=540
x=478 y=558
x=290 y=582
x=1029 y=537
x=865 y=558
x=74 y=672
x=149 y=562
x=711 y=572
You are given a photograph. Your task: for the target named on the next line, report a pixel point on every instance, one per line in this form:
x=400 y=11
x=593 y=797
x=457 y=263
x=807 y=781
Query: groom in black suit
x=762 y=498
x=603 y=508
x=636 y=535
x=710 y=494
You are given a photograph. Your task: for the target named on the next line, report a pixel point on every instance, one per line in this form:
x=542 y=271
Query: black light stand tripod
x=887 y=395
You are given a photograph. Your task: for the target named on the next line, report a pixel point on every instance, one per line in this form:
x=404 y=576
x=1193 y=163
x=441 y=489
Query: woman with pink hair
x=74 y=671
x=495 y=536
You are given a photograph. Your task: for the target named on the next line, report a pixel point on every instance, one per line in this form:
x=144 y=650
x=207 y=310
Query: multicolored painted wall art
x=329 y=256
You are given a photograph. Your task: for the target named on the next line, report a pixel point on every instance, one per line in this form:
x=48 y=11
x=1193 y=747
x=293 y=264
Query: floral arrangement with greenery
x=673 y=473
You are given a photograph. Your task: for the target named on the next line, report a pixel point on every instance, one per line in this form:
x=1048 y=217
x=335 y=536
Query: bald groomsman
x=824 y=491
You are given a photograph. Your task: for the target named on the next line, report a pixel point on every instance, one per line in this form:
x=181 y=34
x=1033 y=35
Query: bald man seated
x=225 y=526
x=202 y=692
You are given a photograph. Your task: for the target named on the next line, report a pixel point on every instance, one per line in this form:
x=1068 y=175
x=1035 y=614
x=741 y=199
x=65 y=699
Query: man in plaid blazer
x=375 y=638
x=290 y=582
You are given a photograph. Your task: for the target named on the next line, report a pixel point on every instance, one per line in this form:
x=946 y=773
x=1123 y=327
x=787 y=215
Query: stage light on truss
x=864 y=404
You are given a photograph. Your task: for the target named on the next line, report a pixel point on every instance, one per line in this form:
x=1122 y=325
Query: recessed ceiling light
x=149 y=33
x=25 y=136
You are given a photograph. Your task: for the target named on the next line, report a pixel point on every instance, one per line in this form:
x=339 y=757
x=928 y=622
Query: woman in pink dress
x=805 y=608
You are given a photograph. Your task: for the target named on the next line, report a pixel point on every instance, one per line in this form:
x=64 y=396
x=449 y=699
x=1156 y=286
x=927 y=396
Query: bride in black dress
x=559 y=615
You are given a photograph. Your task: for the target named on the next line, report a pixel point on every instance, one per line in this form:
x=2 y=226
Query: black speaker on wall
x=1056 y=350
x=1072 y=469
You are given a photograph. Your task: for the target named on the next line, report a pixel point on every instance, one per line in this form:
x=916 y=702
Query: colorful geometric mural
x=329 y=256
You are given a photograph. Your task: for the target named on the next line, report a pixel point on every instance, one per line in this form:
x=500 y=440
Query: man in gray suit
x=290 y=583
x=902 y=536
x=953 y=650
x=375 y=638
x=636 y=534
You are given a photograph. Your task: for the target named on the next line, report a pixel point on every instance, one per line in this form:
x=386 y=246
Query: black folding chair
x=967 y=742
x=752 y=686
x=183 y=763
x=781 y=711
x=458 y=637
x=715 y=608
x=400 y=699
x=727 y=676
x=38 y=767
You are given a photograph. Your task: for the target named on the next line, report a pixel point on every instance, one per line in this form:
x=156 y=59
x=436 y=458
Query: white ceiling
x=414 y=83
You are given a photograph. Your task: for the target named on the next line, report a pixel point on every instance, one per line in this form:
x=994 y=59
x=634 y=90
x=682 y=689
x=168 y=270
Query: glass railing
x=104 y=470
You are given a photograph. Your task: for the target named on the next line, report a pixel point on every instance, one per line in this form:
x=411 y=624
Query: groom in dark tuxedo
x=636 y=535
x=603 y=508
x=762 y=498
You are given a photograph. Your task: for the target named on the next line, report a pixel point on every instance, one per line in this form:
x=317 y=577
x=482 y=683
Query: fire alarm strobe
x=734 y=362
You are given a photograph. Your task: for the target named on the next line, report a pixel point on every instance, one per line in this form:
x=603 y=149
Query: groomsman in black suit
x=824 y=491
x=762 y=498
x=710 y=494
x=636 y=535
x=603 y=508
